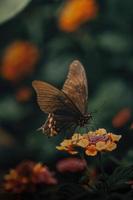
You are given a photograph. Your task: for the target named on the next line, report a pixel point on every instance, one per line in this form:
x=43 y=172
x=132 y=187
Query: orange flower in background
x=19 y=60
x=121 y=118
x=26 y=176
x=92 y=142
x=75 y=13
x=71 y=165
x=24 y=94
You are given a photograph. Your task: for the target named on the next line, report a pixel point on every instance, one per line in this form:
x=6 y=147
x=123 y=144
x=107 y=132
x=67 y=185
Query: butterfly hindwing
x=62 y=112
x=56 y=124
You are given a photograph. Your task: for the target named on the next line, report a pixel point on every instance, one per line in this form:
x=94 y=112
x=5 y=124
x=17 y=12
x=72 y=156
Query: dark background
x=104 y=44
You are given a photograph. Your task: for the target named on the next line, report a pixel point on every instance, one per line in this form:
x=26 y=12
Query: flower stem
x=101 y=166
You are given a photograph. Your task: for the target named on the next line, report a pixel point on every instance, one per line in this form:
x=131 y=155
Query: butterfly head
x=84 y=119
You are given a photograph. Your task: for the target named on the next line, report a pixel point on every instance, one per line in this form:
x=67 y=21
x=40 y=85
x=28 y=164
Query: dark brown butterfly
x=66 y=108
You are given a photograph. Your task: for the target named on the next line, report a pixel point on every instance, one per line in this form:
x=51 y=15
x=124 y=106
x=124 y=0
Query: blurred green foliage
x=104 y=46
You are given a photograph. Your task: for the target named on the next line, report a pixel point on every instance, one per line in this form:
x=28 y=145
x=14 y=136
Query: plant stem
x=101 y=165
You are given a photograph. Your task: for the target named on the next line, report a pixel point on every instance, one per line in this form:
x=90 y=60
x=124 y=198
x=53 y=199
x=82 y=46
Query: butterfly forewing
x=76 y=86
x=50 y=99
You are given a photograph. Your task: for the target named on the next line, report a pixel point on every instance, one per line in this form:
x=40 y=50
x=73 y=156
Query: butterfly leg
x=42 y=128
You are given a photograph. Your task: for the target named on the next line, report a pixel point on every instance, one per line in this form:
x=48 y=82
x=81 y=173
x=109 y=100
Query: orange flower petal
x=12 y=175
x=38 y=167
x=91 y=150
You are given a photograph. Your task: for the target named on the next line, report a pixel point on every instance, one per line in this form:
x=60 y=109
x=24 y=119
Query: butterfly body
x=66 y=108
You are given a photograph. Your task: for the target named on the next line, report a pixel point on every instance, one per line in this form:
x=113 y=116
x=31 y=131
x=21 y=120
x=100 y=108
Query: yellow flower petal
x=83 y=143
x=100 y=146
x=61 y=148
x=115 y=137
x=66 y=142
x=101 y=131
x=110 y=146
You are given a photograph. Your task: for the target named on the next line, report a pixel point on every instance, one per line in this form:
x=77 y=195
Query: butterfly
x=66 y=108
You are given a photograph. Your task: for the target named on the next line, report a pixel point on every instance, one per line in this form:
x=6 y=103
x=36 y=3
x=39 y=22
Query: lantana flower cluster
x=91 y=142
x=26 y=176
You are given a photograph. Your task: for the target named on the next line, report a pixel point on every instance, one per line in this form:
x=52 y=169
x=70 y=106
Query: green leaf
x=120 y=176
x=9 y=8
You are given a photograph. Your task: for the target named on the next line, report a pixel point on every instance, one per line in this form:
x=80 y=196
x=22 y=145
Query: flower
x=75 y=13
x=91 y=142
x=121 y=118
x=71 y=165
x=26 y=176
x=23 y=94
x=19 y=60
x=42 y=174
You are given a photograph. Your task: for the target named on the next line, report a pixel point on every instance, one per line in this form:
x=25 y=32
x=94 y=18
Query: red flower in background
x=26 y=176
x=121 y=118
x=19 y=60
x=75 y=13
x=71 y=165
x=24 y=94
